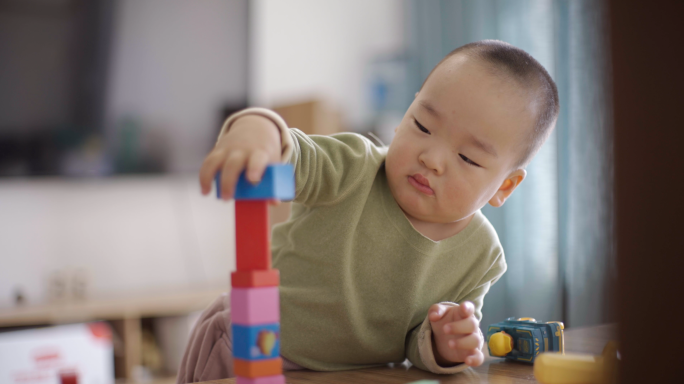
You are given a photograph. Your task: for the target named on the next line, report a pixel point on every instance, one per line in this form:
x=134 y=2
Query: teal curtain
x=556 y=229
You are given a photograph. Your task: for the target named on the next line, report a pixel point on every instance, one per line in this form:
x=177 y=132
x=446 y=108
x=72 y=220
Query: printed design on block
x=266 y=340
x=256 y=342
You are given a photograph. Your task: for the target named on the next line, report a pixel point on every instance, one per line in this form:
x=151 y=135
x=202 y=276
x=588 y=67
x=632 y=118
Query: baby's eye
x=420 y=126
x=467 y=160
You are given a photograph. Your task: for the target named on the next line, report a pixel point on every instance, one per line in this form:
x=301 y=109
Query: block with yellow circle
x=256 y=342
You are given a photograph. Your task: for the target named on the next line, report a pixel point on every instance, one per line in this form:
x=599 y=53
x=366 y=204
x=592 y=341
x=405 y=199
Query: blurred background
x=107 y=109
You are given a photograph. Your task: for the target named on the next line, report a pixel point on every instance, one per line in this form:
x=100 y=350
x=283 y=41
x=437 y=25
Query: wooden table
x=494 y=370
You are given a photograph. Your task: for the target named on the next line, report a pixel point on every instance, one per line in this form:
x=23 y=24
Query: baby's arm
x=326 y=168
x=251 y=143
x=428 y=350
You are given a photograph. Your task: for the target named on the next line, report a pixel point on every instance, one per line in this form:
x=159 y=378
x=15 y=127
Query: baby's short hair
x=513 y=63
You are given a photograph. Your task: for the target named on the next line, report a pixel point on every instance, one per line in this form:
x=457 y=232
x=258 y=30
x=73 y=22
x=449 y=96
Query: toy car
x=523 y=339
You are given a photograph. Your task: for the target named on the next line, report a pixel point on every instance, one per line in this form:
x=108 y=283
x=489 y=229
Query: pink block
x=253 y=306
x=279 y=379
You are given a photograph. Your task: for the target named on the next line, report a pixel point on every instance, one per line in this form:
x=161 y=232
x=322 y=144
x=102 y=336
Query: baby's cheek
x=394 y=163
x=463 y=198
x=455 y=200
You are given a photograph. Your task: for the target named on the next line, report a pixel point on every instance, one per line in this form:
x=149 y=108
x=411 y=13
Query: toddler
x=386 y=255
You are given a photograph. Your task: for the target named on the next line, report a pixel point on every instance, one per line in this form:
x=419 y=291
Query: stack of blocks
x=255 y=304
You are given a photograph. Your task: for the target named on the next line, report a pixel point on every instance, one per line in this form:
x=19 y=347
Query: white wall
x=312 y=48
x=175 y=63
x=129 y=235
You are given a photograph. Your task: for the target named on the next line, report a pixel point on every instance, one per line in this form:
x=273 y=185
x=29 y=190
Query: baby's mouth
x=421 y=183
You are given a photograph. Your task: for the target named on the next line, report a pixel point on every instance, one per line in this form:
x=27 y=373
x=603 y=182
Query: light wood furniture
x=581 y=340
x=312 y=117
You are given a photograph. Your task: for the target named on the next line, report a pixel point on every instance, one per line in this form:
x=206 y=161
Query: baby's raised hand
x=457 y=336
x=251 y=144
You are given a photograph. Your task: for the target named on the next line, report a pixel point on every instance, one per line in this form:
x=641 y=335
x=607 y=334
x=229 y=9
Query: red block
x=253 y=279
x=252 y=235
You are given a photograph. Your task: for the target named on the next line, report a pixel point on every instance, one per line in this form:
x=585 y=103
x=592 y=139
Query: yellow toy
x=500 y=343
x=554 y=368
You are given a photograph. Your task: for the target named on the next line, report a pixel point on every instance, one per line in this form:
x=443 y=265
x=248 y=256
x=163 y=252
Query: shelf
x=110 y=309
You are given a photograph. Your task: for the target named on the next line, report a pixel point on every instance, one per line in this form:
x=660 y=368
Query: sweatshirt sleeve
x=419 y=349
x=328 y=168
x=285 y=140
x=476 y=296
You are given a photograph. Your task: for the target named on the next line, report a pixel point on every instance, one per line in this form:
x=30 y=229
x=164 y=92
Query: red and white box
x=47 y=355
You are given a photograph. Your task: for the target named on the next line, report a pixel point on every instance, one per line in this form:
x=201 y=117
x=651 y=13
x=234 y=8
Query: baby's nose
x=432 y=161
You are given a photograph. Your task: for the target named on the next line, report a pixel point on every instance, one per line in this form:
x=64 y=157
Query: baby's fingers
x=436 y=312
x=475 y=358
x=232 y=168
x=462 y=327
x=256 y=165
x=466 y=309
x=210 y=166
x=469 y=342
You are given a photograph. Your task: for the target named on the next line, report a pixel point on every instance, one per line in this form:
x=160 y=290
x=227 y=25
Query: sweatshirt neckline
x=417 y=240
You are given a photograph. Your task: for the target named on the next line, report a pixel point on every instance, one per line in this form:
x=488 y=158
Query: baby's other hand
x=251 y=144
x=456 y=334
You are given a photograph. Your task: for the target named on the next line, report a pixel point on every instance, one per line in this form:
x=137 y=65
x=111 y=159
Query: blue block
x=256 y=342
x=277 y=183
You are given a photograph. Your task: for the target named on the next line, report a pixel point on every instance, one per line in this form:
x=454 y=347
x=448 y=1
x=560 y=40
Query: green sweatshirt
x=356 y=278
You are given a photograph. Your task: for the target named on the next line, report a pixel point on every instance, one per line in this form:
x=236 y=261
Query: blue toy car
x=523 y=339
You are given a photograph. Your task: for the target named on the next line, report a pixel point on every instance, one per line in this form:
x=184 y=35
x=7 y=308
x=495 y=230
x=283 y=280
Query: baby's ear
x=507 y=187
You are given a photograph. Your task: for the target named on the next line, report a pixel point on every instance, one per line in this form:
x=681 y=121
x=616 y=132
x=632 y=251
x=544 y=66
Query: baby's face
x=459 y=142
